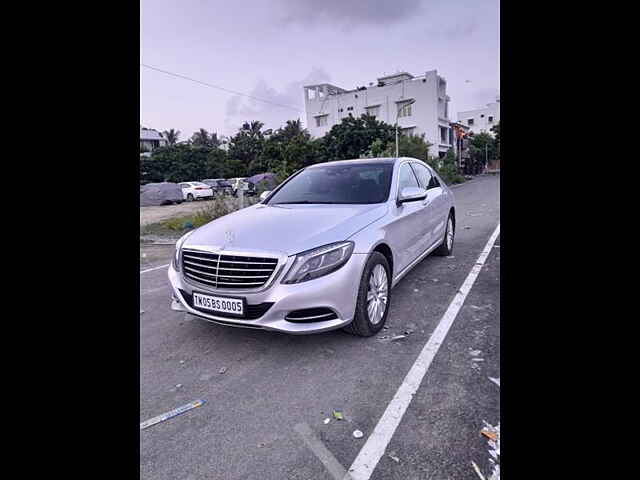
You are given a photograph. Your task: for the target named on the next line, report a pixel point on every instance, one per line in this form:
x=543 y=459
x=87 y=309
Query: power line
x=219 y=88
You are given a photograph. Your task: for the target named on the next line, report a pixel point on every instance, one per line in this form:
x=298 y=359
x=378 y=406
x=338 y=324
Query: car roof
x=384 y=160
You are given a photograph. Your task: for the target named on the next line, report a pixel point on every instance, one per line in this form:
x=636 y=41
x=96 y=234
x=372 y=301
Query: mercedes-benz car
x=320 y=252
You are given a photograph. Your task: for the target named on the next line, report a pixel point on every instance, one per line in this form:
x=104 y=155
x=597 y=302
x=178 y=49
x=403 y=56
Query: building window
x=408 y=131
x=373 y=111
x=404 y=110
x=321 y=121
x=443 y=135
x=490 y=119
x=482 y=115
x=470 y=121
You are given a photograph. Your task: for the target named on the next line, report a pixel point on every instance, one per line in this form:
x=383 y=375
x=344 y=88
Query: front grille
x=227 y=271
x=252 y=312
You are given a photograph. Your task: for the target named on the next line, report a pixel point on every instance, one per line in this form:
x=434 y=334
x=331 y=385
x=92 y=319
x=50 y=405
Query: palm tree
x=201 y=138
x=172 y=136
x=214 y=141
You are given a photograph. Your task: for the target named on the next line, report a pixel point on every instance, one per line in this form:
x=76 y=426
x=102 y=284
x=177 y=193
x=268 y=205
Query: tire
x=189 y=197
x=362 y=325
x=446 y=248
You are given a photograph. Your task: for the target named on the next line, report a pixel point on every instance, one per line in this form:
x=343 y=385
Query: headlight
x=176 y=255
x=318 y=262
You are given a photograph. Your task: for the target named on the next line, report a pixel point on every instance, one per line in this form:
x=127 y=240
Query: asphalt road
x=273 y=382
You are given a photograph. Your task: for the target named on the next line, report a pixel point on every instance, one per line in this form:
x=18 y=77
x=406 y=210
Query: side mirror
x=411 y=194
x=264 y=195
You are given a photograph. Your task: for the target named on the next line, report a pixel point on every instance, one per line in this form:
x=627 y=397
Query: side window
x=434 y=182
x=406 y=177
x=184 y=185
x=423 y=174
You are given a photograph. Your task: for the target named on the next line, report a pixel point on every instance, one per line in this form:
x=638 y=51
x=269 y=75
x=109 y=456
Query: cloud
x=348 y=12
x=240 y=109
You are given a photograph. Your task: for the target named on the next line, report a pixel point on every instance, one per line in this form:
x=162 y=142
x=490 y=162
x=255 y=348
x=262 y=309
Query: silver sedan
x=320 y=252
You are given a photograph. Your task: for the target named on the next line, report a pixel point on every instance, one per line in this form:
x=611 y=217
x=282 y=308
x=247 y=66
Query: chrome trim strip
x=211 y=283
x=217 y=268
x=199 y=258
x=248 y=262
x=248 y=269
x=200 y=264
x=309 y=318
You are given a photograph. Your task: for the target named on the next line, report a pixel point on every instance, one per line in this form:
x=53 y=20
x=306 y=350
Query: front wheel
x=446 y=248
x=374 y=295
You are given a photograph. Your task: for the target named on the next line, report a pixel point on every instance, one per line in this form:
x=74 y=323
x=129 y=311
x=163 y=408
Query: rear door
x=428 y=212
x=437 y=203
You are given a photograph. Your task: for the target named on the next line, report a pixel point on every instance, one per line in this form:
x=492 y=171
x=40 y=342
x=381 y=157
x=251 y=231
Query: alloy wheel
x=377 y=295
x=450 y=235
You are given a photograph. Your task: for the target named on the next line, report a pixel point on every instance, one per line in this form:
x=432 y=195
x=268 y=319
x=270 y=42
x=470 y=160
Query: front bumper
x=337 y=291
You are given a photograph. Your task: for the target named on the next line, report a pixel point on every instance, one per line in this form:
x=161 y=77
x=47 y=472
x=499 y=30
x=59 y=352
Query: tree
x=496 y=132
x=414 y=146
x=182 y=163
x=482 y=150
x=245 y=149
x=352 y=137
x=448 y=168
x=172 y=136
x=290 y=148
x=202 y=138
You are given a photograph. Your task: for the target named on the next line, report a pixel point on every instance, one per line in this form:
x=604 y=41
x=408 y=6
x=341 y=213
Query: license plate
x=233 y=306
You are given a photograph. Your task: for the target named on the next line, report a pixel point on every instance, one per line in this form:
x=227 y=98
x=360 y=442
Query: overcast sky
x=270 y=48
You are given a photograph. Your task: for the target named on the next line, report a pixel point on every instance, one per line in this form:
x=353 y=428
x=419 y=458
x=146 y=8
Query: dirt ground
x=156 y=214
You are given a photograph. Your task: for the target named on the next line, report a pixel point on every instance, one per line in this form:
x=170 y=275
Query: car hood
x=284 y=229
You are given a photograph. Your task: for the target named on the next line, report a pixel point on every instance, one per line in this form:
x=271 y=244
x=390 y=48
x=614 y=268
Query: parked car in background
x=263 y=181
x=194 y=190
x=219 y=185
x=248 y=188
x=322 y=251
x=165 y=193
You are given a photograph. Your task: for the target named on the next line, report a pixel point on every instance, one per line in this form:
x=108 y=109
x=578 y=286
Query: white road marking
x=334 y=467
x=153 y=290
x=154 y=268
x=374 y=448
x=171 y=414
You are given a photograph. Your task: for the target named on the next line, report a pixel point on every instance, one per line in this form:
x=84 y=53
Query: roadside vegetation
x=284 y=151
x=253 y=150
x=175 y=227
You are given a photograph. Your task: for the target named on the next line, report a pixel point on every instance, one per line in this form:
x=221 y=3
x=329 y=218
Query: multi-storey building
x=419 y=104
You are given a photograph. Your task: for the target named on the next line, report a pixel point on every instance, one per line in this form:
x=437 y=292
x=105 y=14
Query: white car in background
x=194 y=190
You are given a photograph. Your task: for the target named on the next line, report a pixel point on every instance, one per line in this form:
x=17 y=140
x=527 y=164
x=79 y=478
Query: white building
x=326 y=105
x=481 y=119
x=151 y=139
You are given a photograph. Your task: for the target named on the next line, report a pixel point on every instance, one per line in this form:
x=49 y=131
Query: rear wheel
x=189 y=198
x=446 y=248
x=373 y=300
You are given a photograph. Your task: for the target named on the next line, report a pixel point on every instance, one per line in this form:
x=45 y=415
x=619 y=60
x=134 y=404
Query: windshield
x=346 y=183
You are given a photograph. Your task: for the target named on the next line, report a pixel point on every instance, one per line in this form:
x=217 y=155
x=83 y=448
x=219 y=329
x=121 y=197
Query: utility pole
x=486 y=158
